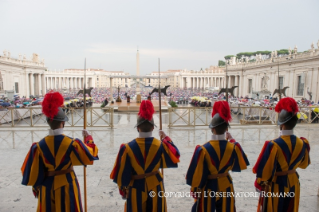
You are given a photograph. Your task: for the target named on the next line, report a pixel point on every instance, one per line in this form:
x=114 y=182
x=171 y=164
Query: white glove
x=161 y=134
x=85 y=133
x=228 y=136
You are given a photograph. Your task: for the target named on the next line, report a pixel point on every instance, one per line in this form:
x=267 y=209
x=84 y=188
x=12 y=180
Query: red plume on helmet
x=146 y=110
x=51 y=103
x=288 y=104
x=222 y=108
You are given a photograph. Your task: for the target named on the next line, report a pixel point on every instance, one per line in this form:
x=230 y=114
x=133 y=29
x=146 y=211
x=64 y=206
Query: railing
x=177 y=117
x=21 y=61
x=241 y=115
x=33 y=117
x=274 y=60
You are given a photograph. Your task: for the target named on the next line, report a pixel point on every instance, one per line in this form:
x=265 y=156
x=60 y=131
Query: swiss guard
x=208 y=172
x=136 y=169
x=278 y=160
x=48 y=166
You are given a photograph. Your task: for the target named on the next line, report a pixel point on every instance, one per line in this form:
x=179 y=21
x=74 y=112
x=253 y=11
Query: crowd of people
x=195 y=97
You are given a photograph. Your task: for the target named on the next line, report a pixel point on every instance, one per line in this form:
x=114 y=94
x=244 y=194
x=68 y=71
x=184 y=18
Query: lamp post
x=226 y=81
x=279 y=81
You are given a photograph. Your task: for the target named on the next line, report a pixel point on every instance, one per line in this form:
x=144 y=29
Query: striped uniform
x=140 y=156
x=55 y=153
x=215 y=157
x=285 y=153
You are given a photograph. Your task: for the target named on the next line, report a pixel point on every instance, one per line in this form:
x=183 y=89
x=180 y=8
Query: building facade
x=213 y=76
x=297 y=71
x=74 y=79
x=24 y=76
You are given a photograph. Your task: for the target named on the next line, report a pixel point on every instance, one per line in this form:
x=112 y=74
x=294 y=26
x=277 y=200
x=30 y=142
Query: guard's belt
x=285 y=172
x=54 y=173
x=142 y=176
x=216 y=176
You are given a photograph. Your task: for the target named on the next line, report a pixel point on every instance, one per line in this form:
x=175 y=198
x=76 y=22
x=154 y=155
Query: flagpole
x=84 y=127
x=160 y=104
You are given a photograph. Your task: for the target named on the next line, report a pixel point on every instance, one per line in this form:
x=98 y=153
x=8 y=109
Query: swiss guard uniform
x=276 y=165
x=136 y=169
x=48 y=167
x=209 y=169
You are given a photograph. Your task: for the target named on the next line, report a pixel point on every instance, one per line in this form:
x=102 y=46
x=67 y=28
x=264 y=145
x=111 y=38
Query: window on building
x=300 y=86
x=16 y=85
x=250 y=85
x=281 y=82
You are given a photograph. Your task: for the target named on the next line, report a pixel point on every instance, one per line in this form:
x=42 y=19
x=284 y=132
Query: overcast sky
x=184 y=34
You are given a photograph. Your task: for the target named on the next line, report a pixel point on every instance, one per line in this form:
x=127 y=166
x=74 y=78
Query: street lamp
x=226 y=81
x=279 y=82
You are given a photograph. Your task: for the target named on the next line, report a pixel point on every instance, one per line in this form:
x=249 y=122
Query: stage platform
x=135 y=107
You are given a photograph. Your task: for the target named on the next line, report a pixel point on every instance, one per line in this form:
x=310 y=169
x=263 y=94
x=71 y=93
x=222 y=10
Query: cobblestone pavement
x=102 y=192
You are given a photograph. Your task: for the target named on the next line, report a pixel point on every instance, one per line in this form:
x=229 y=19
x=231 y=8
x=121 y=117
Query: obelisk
x=137 y=63
x=138 y=89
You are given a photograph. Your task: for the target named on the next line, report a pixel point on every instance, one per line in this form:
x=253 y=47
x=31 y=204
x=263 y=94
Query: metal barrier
x=33 y=117
x=242 y=115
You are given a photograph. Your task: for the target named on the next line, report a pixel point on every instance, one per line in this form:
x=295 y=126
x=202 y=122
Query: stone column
x=31 y=85
x=43 y=84
x=36 y=84
x=47 y=83
x=203 y=82
x=111 y=89
x=27 y=93
x=197 y=82
x=236 y=83
x=240 y=84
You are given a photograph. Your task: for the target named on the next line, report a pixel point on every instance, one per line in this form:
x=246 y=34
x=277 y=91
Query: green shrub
x=173 y=104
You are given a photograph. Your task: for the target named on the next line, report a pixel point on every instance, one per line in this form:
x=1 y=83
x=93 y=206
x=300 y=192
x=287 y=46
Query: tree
x=227 y=57
x=283 y=52
x=221 y=63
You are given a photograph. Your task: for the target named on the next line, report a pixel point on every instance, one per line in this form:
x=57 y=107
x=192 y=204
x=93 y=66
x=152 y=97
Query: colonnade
x=202 y=82
x=208 y=82
x=64 y=82
x=35 y=84
x=235 y=80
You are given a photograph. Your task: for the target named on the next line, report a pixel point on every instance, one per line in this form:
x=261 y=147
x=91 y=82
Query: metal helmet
x=287 y=109
x=145 y=113
x=216 y=121
x=51 y=107
x=60 y=116
x=220 y=114
x=284 y=116
x=141 y=120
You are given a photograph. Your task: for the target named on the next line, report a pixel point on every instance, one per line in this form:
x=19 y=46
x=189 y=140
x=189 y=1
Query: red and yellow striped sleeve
x=84 y=153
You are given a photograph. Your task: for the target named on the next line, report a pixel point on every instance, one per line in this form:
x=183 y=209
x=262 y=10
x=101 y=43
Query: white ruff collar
x=218 y=137
x=145 y=134
x=56 y=131
x=286 y=132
